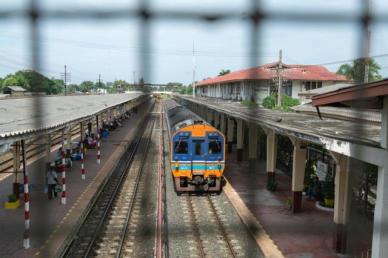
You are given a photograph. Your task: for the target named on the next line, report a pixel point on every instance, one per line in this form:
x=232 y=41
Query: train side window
x=181 y=147
x=215 y=147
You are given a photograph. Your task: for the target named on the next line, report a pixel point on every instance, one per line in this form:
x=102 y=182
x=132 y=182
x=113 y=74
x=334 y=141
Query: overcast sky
x=90 y=47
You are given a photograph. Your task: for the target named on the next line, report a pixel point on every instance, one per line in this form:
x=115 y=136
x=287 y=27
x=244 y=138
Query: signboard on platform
x=321 y=170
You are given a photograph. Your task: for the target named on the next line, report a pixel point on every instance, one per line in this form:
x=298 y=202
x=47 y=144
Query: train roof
x=179 y=116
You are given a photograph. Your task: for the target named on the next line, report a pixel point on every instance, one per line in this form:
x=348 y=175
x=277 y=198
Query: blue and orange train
x=197 y=151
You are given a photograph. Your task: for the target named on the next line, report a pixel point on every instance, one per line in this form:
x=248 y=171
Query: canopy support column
x=230 y=134
x=298 y=169
x=240 y=139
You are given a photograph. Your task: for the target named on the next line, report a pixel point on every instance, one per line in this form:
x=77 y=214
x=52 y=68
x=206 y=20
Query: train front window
x=181 y=147
x=198 y=148
x=215 y=147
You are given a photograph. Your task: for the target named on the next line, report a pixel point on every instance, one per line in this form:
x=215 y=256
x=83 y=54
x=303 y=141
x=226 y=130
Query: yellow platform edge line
x=263 y=240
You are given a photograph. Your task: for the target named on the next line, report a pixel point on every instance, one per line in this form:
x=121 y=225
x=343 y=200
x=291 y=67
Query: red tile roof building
x=258 y=82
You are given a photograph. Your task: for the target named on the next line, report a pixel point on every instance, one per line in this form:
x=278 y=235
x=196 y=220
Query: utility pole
x=66 y=77
x=193 y=71
x=367 y=59
x=65 y=80
x=280 y=79
x=134 y=79
x=99 y=81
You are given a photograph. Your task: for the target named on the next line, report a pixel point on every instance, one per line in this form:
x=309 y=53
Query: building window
x=307 y=85
x=310 y=85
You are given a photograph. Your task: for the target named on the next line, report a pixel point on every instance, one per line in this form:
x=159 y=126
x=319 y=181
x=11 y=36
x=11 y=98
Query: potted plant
x=13 y=202
x=328 y=192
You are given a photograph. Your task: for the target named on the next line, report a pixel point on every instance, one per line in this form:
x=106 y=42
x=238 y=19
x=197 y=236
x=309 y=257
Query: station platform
x=52 y=222
x=308 y=234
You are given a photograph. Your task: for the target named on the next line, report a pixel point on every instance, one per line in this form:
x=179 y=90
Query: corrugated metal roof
x=18 y=117
x=268 y=72
x=342 y=113
x=16 y=88
x=324 y=89
x=308 y=126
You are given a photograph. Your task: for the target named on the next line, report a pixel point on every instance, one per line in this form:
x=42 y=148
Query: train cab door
x=198 y=155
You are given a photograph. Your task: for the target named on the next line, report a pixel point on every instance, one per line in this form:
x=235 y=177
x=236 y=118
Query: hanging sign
x=321 y=170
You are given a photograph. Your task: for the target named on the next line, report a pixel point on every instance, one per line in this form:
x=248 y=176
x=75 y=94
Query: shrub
x=249 y=103
x=328 y=188
x=12 y=198
x=269 y=101
x=287 y=102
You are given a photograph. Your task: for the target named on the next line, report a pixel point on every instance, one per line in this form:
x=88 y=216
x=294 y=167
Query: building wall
x=297 y=86
x=255 y=90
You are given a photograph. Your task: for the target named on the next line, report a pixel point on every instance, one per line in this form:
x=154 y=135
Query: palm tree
x=356 y=70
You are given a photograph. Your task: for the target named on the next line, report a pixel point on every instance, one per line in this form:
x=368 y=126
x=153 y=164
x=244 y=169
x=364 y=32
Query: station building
x=259 y=82
x=348 y=129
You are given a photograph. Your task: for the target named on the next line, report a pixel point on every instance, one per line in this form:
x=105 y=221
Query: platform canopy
x=18 y=119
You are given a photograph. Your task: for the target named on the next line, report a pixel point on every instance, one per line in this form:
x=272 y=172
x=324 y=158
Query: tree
x=120 y=86
x=56 y=86
x=86 y=86
x=223 y=72
x=356 y=70
x=72 y=88
x=13 y=80
x=34 y=82
x=189 y=90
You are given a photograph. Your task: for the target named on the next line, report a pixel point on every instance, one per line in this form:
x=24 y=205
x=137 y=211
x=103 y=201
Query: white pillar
x=230 y=134
x=223 y=124
x=342 y=201
x=240 y=139
x=298 y=167
x=271 y=155
x=253 y=133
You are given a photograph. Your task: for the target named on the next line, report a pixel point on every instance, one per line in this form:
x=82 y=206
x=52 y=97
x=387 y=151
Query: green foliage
x=249 y=103
x=12 y=198
x=34 y=82
x=223 y=72
x=189 y=90
x=328 y=188
x=287 y=102
x=86 y=86
x=72 y=88
x=177 y=87
x=355 y=71
x=309 y=171
x=269 y=102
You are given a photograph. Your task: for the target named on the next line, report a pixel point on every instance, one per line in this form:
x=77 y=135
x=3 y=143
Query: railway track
x=210 y=237
x=104 y=230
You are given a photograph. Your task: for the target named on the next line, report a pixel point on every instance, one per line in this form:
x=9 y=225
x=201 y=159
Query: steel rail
x=160 y=191
x=194 y=225
x=119 y=175
x=135 y=190
x=113 y=196
x=221 y=226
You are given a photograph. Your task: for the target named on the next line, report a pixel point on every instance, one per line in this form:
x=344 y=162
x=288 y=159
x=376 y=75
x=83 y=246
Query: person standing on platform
x=52 y=181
